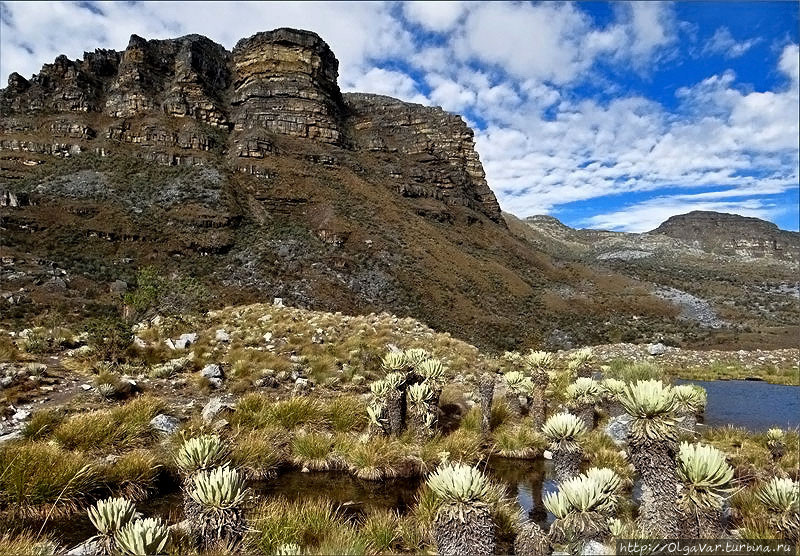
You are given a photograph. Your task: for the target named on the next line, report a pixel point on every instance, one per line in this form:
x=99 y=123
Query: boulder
x=222 y=336
x=656 y=349
x=213 y=408
x=212 y=371
x=165 y=424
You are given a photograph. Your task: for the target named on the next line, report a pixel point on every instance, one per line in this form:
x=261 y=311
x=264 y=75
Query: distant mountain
x=719 y=268
x=731 y=234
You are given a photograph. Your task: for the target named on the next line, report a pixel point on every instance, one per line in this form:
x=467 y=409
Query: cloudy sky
x=612 y=115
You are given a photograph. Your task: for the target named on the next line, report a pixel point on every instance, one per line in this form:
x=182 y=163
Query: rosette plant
x=581 y=362
x=652 y=441
x=142 y=537
x=563 y=431
x=539 y=365
x=109 y=516
x=218 y=510
x=775 y=443
x=706 y=481
x=517 y=384
x=199 y=454
x=610 y=390
x=781 y=497
x=582 y=395
x=463 y=522
x=690 y=401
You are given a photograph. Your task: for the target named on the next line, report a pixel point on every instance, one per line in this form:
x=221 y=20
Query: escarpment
x=181 y=101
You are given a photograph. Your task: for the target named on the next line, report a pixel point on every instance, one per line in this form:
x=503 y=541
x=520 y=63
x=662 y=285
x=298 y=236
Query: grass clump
x=42 y=424
x=37 y=478
x=133 y=475
x=312 y=451
x=306 y=523
x=631 y=371
x=124 y=426
x=374 y=459
x=256 y=411
x=519 y=441
x=259 y=453
x=381 y=532
x=27 y=544
x=346 y=414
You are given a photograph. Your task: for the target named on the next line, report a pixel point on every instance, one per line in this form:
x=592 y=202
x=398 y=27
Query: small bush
x=109 y=338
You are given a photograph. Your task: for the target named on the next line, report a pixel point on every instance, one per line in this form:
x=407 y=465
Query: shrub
x=109 y=337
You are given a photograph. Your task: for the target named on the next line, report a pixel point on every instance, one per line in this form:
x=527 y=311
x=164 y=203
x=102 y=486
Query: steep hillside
x=721 y=270
x=246 y=175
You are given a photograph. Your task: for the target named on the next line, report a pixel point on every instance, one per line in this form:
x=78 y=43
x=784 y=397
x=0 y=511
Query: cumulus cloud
x=435 y=16
x=385 y=82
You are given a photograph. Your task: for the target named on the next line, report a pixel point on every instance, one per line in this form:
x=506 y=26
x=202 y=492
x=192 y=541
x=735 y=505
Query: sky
x=605 y=115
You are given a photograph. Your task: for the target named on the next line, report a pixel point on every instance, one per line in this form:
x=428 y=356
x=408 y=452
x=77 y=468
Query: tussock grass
x=133 y=475
x=748 y=454
x=519 y=441
x=259 y=453
x=37 y=479
x=124 y=426
x=600 y=451
x=27 y=544
x=381 y=532
x=307 y=523
x=373 y=459
x=461 y=445
x=346 y=414
x=312 y=451
x=631 y=371
x=42 y=424
x=257 y=411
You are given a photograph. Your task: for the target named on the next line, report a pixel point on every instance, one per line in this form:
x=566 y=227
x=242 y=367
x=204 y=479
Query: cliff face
x=176 y=100
x=734 y=235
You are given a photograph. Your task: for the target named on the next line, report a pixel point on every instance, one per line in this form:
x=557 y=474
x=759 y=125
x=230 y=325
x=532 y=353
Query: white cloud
x=723 y=43
x=435 y=16
x=385 y=82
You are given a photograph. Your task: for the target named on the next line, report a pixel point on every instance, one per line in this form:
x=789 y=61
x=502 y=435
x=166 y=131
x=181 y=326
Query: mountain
x=245 y=175
x=731 y=234
x=718 y=269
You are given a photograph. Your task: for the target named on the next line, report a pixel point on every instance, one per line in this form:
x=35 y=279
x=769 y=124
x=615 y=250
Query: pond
x=753 y=405
x=525 y=480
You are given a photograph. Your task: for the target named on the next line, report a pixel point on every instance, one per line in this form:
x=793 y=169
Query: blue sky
x=612 y=115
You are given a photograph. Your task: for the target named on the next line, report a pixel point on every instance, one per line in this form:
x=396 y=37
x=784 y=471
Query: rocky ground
x=287 y=352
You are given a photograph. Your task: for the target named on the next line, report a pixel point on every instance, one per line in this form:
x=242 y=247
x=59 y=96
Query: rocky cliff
x=176 y=100
x=733 y=235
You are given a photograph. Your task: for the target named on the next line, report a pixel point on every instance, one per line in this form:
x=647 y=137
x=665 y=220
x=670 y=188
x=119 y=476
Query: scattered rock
x=657 y=349
x=86 y=548
x=278 y=302
x=185 y=340
x=617 y=428
x=215 y=383
x=165 y=424
x=214 y=408
x=139 y=343
x=268 y=337
x=86 y=387
x=222 y=336
x=212 y=371
x=14 y=435
x=21 y=415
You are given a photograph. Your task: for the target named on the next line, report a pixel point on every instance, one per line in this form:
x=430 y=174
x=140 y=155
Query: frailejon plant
x=582 y=395
x=415 y=356
x=539 y=364
x=109 y=516
x=200 y=453
x=517 y=385
x=652 y=440
x=781 y=497
x=395 y=361
x=580 y=362
x=378 y=420
x=690 y=401
x=706 y=479
x=395 y=401
x=583 y=506
x=218 y=510
x=610 y=390
x=486 y=391
x=463 y=523
x=142 y=537
x=775 y=443
x=563 y=431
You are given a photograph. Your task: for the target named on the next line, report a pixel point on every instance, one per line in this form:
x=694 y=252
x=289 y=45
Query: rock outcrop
x=180 y=101
x=733 y=235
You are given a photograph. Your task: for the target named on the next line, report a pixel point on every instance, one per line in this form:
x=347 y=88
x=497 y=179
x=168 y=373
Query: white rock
x=212 y=371
x=169 y=343
x=656 y=349
x=278 y=302
x=268 y=337
x=547 y=454
x=222 y=336
x=21 y=415
x=86 y=387
x=165 y=423
x=189 y=339
x=138 y=342
x=213 y=408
